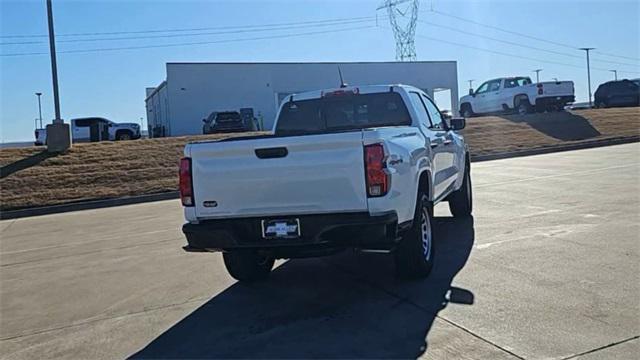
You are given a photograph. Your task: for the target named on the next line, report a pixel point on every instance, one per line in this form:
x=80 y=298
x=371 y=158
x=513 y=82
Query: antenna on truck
x=342 y=83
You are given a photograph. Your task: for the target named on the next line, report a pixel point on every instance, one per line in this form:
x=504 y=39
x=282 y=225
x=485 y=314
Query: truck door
x=446 y=157
x=435 y=142
x=492 y=98
x=479 y=103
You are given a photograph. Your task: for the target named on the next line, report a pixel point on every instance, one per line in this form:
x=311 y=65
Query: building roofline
x=156 y=89
x=312 y=62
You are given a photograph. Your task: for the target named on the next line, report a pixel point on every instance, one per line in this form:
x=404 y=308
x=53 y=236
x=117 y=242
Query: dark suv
x=618 y=93
x=228 y=121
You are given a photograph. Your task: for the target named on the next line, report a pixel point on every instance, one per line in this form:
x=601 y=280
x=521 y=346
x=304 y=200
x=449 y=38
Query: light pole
x=58 y=133
x=38 y=94
x=470 y=85
x=537 y=71
x=588 y=72
x=615 y=73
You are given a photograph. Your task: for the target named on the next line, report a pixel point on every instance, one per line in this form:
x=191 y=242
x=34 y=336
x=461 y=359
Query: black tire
x=415 y=253
x=466 y=111
x=523 y=106
x=124 y=135
x=461 y=201
x=248 y=265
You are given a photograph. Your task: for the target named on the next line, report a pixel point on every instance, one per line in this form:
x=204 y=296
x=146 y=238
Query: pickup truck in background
x=517 y=94
x=95 y=129
x=354 y=167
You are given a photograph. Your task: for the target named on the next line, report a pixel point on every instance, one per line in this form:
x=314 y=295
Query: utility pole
x=588 y=72
x=58 y=133
x=404 y=31
x=615 y=73
x=537 y=71
x=38 y=94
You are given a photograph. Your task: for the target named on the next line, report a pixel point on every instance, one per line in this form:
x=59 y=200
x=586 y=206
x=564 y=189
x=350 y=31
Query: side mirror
x=471 y=92
x=204 y=121
x=457 y=123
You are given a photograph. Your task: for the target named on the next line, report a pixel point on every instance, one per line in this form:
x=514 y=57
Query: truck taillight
x=186 y=182
x=375 y=168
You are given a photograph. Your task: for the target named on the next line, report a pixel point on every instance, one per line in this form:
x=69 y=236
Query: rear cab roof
x=365 y=89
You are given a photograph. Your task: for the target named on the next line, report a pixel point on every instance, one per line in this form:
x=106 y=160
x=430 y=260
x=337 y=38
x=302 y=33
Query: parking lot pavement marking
x=544 y=177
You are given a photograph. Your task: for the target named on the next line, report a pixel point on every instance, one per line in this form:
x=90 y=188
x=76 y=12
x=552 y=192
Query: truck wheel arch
x=424 y=184
x=464 y=106
x=520 y=97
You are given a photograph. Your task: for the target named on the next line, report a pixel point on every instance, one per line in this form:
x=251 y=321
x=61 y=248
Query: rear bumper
x=318 y=232
x=228 y=127
x=555 y=100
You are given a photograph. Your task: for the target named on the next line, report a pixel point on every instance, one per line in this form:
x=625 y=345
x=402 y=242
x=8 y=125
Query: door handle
x=271 y=153
x=447 y=142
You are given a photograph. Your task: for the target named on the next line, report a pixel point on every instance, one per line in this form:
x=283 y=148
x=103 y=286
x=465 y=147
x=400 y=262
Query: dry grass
x=509 y=133
x=118 y=169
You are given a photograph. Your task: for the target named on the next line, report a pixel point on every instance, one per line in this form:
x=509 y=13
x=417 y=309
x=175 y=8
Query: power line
x=150 y=31
x=517 y=44
x=467 y=46
x=524 y=35
x=191 y=34
x=191 y=43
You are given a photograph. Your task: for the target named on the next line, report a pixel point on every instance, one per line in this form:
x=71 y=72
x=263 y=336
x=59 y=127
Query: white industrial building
x=192 y=91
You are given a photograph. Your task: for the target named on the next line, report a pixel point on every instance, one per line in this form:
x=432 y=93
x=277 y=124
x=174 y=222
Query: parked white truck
x=95 y=129
x=354 y=167
x=517 y=94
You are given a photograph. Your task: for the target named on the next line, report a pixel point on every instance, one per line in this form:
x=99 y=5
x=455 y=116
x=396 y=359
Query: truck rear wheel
x=415 y=252
x=248 y=265
x=461 y=201
x=523 y=106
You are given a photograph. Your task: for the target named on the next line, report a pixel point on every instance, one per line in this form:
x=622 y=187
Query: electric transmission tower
x=403 y=15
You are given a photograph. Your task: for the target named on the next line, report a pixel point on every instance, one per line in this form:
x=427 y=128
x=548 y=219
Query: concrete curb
x=87 y=205
x=97 y=204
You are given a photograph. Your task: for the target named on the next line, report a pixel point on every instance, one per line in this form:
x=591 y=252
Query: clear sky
x=112 y=83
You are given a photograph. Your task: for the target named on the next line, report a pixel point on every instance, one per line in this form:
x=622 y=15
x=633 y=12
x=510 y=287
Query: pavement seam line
x=419 y=307
x=583 y=172
x=87 y=253
x=602 y=347
x=94 y=320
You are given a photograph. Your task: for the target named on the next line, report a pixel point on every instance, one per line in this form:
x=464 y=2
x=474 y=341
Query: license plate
x=281 y=229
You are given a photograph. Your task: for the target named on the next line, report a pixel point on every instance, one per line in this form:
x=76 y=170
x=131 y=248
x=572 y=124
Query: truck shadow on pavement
x=346 y=306
x=562 y=125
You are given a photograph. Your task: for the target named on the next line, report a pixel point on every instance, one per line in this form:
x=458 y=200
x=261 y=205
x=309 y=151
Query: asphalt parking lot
x=548 y=267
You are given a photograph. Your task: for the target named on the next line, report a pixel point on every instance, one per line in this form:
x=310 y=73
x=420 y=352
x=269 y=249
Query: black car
x=228 y=121
x=618 y=93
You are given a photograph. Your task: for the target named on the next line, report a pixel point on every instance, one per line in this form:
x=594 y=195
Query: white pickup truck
x=95 y=129
x=354 y=167
x=517 y=94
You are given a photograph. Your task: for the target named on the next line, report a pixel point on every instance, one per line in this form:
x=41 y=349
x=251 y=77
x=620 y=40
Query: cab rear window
x=343 y=112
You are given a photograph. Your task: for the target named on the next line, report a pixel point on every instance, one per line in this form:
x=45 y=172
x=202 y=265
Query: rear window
x=228 y=116
x=342 y=112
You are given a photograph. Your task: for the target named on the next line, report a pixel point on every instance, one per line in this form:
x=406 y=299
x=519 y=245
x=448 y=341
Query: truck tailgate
x=562 y=88
x=318 y=174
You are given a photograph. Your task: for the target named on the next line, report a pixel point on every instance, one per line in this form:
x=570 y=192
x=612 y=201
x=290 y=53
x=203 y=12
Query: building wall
x=194 y=90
